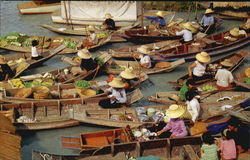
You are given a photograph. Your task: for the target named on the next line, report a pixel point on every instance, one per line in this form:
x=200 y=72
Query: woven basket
x=41 y=92
x=23 y=93
x=85 y=92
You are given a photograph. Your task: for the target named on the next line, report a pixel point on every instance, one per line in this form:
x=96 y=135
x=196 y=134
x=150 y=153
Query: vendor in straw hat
x=197 y=70
x=145 y=60
x=118 y=95
x=86 y=63
x=176 y=127
x=186 y=33
x=236 y=32
x=159 y=20
x=5 y=70
x=109 y=23
x=129 y=77
x=207 y=20
x=223 y=76
x=91 y=38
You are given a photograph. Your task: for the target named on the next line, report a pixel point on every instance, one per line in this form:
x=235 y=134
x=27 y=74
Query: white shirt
x=199 y=69
x=224 y=77
x=145 y=59
x=193 y=108
x=34 y=52
x=187 y=35
x=93 y=38
x=120 y=95
x=207 y=20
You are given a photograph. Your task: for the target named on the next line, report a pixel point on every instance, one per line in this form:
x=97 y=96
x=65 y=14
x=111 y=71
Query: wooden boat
x=240 y=79
x=61 y=77
x=117 y=67
x=61 y=91
x=38 y=7
x=214 y=45
x=131 y=51
x=236 y=58
x=50 y=42
x=41 y=115
x=31 y=62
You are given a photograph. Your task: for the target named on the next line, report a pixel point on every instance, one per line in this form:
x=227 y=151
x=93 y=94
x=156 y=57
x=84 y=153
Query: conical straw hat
x=108 y=15
x=188 y=26
x=160 y=13
x=235 y=32
x=117 y=83
x=91 y=28
x=226 y=63
x=208 y=11
x=175 y=111
x=84 y=54
x=203 y=57
x=144 y=49
x=247 y=72
x=128 y=73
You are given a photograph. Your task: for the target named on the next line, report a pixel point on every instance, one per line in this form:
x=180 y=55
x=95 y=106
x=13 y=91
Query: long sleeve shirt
x=120 y=95
x=177 y=127
x=157 y=20
x=34 y=52
x=224 y=77
x=207 y=20
x=193 y=108
x=187 y=35
x=145 y=59
x=228 y=149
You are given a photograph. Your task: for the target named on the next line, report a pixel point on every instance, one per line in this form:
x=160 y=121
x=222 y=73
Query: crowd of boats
x=53 y=100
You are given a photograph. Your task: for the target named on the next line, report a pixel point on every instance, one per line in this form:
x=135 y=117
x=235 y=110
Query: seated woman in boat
x=5 y=70
x=130 y=78
x=118 y=95
x=35 y=54
x=109 y=23
x=187 y=86
x=176 y=127
x=145 y=60
x=158 y=21
x=209 y=150
x=197 y=70
x=87 y=63
x=193 y=104
x=237 y=33
x=91 y=39
x=207 y=21
x=223 y=76
x=186 y=33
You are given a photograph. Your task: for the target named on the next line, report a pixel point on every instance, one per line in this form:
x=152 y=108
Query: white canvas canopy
x=95 y=10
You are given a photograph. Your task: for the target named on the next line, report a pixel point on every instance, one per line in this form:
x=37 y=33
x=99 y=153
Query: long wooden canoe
x=117 y=67
x=131 y=51
x=47 y=43
x=31 y=62
x=56 y=113
x=214 y=45
x=241 y=77
x=236 y=58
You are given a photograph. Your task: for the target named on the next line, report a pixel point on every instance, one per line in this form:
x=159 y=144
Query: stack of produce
x=83 y=89
x=208 y=88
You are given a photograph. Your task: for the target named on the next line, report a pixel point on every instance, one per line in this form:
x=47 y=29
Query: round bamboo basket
x=23 y=93
x=41 y=92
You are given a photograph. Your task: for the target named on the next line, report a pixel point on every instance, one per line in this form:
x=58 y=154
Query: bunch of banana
x=17 y=83
x=101 y=35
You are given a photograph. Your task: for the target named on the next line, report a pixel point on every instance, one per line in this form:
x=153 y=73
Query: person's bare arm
x=190 y=69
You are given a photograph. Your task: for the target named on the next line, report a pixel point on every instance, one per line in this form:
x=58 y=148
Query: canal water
x=49 y=140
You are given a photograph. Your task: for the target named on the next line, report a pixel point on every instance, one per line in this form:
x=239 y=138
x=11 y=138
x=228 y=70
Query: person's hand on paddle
x=159 y=132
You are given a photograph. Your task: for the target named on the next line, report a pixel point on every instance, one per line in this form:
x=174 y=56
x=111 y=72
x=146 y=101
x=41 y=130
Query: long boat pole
x=142 y=15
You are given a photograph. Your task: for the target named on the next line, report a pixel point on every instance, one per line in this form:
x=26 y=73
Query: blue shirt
x=207 y=20
x=157 y=20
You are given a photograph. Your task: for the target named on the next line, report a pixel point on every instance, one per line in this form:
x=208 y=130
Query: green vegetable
x=69 y=44
x=99 y=61
x=28 y=84
x=247 y=80
x=82 y=84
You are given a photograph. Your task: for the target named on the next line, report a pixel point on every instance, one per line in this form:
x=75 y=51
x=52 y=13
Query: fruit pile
x=17 y=83
x=208 y=88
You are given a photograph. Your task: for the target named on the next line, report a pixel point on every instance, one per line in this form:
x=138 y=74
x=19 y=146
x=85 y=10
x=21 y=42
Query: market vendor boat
x=237 y=59
x=242 y=78
x=39 y=115
x=26 y=62
x=214 y=45
x=117 y=67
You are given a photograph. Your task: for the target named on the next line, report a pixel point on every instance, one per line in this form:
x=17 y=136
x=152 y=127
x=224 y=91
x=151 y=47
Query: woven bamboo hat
x=188 y=26
x=235 y=32
x=108 y=15
x=174 y=97
x=2 y=60
x=91 y=28
x=144 y=49
x=84 y=54
x=208 y=11
x=117 y=83
x=203 y=57
x=226 y=63
x=160 y=13
x=128 y=73
x=175 y=111
x=247 y=72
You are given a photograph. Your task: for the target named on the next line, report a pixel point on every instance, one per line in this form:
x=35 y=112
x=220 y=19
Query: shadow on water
x=49 y=140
